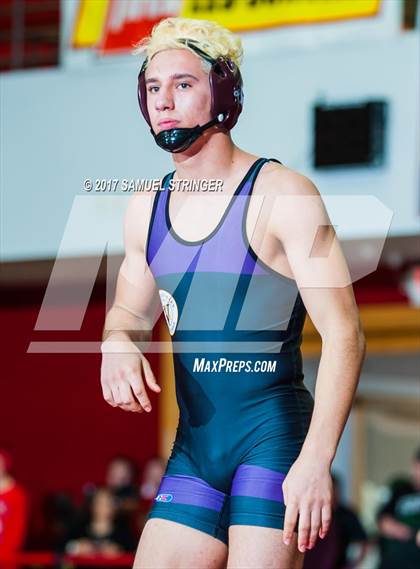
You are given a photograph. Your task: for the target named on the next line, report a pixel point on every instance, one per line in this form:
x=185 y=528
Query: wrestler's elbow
x=350 y=335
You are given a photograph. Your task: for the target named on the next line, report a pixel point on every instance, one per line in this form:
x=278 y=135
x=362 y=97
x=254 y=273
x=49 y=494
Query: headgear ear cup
x=226 y=88
x=226 y=101
x=142 y=93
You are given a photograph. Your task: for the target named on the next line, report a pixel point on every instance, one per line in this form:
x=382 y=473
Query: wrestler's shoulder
x=138 y=217
x=140 y=204
x=278 y=179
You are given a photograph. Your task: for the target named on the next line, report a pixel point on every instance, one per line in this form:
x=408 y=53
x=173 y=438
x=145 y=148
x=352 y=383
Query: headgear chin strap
x=179 y=139
x=226 y=102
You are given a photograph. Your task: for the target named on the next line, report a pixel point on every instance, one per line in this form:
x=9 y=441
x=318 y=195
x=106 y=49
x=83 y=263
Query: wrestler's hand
x=123 y=371
x=308 y=492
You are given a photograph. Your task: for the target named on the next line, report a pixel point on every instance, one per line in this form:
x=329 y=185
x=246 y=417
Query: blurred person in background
x=99 y=532
x=13 y=511
x=122 y=480
x=153 y=471
x=152 y=475
x=58 y=514
x=399 y=522
x=333 y=551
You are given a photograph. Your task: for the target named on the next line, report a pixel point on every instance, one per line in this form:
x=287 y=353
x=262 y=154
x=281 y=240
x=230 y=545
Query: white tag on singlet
x=170 y=309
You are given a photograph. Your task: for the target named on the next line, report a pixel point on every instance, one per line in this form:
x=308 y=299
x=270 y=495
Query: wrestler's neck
x=213 y=155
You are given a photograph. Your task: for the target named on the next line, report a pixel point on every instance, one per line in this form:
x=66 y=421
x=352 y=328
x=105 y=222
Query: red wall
x=52 y=415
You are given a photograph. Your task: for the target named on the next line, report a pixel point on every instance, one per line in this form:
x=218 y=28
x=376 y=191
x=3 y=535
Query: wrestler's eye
x=187 y=84
x=150 y=89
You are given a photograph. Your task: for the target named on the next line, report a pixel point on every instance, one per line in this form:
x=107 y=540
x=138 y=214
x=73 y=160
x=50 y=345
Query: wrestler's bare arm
x=129 y=322
x=301 y=224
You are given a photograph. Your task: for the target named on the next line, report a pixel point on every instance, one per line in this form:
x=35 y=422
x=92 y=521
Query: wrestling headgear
x=226 y=101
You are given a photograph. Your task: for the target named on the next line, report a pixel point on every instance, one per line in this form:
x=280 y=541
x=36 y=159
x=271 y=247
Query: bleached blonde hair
x=211 y=37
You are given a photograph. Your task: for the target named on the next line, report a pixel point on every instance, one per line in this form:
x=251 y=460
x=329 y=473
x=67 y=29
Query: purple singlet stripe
x=190 y=490
x=258 y=482
x=167 y=255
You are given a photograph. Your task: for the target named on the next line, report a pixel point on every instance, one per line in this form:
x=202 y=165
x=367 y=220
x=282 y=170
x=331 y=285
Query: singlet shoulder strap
x=253 y=173
x=154 y=233
x=260 y=163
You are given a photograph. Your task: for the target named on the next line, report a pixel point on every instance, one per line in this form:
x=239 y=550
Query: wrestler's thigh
x=255 y=547
x=165 y=544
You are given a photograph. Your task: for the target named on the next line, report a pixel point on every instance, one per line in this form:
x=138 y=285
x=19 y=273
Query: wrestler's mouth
x=167 y=124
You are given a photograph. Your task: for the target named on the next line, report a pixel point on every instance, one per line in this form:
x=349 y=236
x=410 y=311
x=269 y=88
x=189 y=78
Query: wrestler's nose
x=164 y=100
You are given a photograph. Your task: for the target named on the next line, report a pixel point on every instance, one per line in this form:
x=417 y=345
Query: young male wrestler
x=248 y=482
